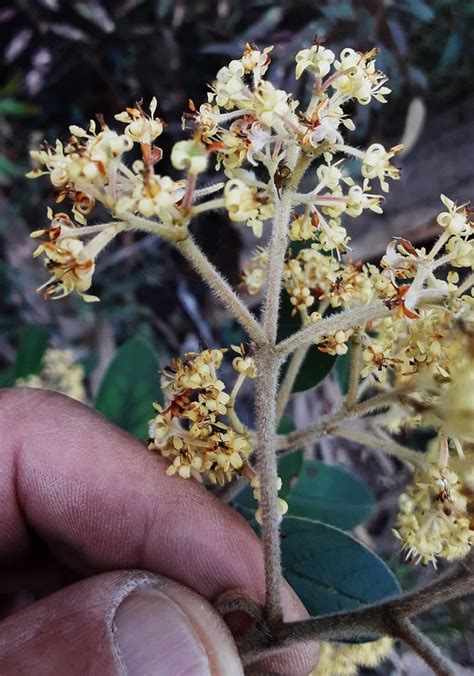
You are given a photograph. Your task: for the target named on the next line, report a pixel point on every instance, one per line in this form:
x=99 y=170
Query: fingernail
x=155 y=637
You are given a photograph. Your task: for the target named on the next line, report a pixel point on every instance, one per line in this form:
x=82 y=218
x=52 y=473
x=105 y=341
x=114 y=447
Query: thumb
x=122 y=623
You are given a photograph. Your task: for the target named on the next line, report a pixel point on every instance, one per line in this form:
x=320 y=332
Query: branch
x=355 y=369
x=209 y=273
x=169 y=232
x=291 y=374
x=384 y=618
x=276 y=264
x=415 y=458
x=425 y=648
x=306 y=435
x=266 y=385
x=313 y=333
x=266 y=389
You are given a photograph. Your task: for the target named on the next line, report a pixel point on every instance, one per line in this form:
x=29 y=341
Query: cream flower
x=317 y=60
x=190 y=156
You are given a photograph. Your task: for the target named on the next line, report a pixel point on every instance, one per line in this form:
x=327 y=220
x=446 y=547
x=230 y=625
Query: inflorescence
x=424 y=346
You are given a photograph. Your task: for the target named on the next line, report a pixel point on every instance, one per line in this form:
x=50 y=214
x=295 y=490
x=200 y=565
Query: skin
x=86 y=510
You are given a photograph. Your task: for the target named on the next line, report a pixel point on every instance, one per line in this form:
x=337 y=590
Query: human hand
x=101 y=510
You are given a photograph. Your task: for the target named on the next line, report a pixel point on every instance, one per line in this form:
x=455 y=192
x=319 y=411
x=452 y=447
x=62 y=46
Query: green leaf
x=343 y=370
x=130 y=386
x=331 y=495
x=451 y=52
x=289 y=469
x=291 y=464
x=8 y=168
x=420 y=9
x=15 y=108
x=330 y=570
x=31 y=348
x=316 y=365
x=7 y=377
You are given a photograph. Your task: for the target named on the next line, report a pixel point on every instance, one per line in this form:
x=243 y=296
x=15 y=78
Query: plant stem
x=466 y=285
x=313 y=432
x=313 y=333
x=388 y=446
x=378 y=619
x=276 y=264
x=266 y=389
x=168 y=232
x=291 y=374
x=217 y=203
x=355 y=369
x=425 y=648
x=193 y=254
x=266 y=385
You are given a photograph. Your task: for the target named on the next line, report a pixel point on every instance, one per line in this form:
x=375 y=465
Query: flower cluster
x=265 y=142
x=68 y=258
x=198 y=429
x=426 y=304
x=250 y=125
x=345 y=660
x=433 y=519
x=60 y=373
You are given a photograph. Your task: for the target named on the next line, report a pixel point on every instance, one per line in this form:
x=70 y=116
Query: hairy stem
x=375 y=620
x=276 y=263
x=313 y=432
x=425 y=648
x=291 y=374
x=466 y=285
x=193 y=254
x=266 y=389
x=168 y=232
x=385 y=445
x=355 y=369
x=313 y=333
x=266 y=385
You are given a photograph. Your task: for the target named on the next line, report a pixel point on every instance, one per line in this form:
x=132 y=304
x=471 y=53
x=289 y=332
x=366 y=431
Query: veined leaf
x=130 y=386
x=31 y=348
x=331 y=495
x=330 y=570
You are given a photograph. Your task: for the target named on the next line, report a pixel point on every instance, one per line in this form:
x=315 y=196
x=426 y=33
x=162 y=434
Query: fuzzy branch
x=291 y=374
x=426 y=649
x=386 y=618
x=266 y=385
x=193 y=254
x=415 y=458
x=306 y=435
x=313 y=333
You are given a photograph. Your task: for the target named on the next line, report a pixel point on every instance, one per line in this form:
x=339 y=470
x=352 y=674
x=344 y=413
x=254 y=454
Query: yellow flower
x=339 y=659
x=72 y=263
x=59 y=373
x=193 y=430
x=270 y=104
x=141 y=128
x=455 y=219
x=254 y=272
x=433 y=520
x=357 y=77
